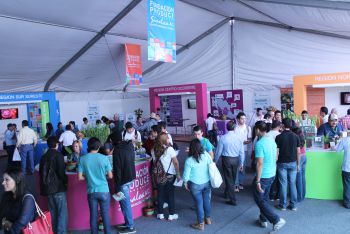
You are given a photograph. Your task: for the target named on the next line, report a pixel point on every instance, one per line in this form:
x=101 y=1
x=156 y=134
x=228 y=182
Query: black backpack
x=124 y=133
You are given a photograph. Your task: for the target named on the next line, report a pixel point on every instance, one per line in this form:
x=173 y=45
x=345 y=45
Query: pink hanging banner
x=133 y=65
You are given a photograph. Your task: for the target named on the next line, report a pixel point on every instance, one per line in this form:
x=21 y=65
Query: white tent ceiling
x=270 y=40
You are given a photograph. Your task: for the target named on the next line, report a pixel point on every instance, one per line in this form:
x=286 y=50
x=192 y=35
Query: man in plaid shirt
x=345 y=121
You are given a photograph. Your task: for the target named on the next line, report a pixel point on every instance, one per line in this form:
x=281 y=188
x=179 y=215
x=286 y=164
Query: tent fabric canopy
x=269 y=43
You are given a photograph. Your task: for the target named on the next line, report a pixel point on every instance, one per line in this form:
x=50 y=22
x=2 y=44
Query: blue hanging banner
x=161 y=31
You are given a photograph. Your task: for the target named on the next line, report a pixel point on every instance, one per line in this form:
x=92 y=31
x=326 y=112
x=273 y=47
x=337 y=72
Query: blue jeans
x=346 y=186
x=125 y=205
x=201 y=196
x=59 y=212
x=262 y=200
x=27 y=152
x=301 y=183
x=240 y=176
x=287 y=173
x=103 y=200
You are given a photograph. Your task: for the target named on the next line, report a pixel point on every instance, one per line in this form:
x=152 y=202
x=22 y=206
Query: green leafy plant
x=101 y=132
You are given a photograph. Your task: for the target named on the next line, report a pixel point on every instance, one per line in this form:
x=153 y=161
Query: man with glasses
x=331 y=129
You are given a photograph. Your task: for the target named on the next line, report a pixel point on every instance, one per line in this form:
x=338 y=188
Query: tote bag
x=215 y=176
x=42 y=224
x=16 y=155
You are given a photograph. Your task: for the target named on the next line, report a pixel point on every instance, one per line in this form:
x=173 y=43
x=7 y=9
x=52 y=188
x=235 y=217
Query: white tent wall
x=74 y=106
x=266 y=56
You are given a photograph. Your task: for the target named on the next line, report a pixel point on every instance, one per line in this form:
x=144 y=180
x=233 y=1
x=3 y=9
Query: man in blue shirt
x=231 y=149
x=344 y=144
x=331 y=129
x=93 y=168
x=10 y=144
x=266 y=156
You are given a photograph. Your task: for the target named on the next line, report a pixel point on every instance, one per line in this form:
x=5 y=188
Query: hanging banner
x=133 y=66
x=161 y=31
x=262 y=99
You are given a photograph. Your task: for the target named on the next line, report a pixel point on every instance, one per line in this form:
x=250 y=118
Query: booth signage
x=174 y=89
x=161 y=31
x=133 y=65
x=226 y=103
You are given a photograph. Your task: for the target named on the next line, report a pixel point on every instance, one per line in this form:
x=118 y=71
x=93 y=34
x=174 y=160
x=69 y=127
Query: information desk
x=78 y=208
x=41 y=148
x=323 y=174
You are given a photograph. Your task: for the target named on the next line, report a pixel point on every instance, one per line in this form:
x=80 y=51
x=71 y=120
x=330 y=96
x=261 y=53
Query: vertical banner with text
x=161 y=31
x=133 y=66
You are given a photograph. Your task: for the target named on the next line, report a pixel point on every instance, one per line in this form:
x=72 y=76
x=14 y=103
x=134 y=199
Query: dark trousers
x=213 y=137
x=166 y=192
x=346 y=188
x=10 y=149
x=229 y=167
x=274 y=190
x=262 y=200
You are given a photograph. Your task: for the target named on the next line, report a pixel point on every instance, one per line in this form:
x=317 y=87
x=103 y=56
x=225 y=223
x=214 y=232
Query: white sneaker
x=165 y=205
x=279 y=225
x=263 y=224
x=173 y=217
x=160 y=216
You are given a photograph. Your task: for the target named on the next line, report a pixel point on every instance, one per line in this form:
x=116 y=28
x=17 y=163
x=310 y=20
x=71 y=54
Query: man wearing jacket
x=53 y=184
x=124 y=173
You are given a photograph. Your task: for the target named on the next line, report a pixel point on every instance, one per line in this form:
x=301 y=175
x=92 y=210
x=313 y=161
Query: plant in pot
x=148 y=210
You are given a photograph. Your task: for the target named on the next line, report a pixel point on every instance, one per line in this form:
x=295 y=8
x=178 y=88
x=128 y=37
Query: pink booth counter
x=78 y=208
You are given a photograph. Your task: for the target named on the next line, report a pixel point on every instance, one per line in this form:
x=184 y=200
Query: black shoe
x=122 y=226
x=127 y=230
x=231 y=203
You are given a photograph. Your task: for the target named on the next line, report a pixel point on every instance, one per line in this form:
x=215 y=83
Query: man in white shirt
x=258 y=115
x=27 y=140
x=324 y=114
x=67 y=138
x=85 y=124
x=244 y=133
x=211 y=131
x=130 y=134
x=275 y=129
x=305 y=121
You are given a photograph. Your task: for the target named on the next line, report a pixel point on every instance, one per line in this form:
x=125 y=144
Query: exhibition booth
x=323 y=168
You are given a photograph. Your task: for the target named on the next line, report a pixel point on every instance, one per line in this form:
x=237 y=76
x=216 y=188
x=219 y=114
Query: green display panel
x=323 y=175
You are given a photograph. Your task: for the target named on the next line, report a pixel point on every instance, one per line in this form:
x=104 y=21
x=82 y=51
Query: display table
x=323 y=174
x=78 y=208
x=41 y=148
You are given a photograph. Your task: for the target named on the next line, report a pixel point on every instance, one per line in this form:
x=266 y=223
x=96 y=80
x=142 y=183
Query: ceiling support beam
x=95 y=39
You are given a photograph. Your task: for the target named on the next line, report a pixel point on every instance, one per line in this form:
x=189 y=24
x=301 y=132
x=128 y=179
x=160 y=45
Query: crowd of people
x=278 y=159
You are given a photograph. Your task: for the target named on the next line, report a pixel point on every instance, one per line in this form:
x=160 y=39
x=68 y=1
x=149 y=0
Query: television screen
x=345 y=98
x=11 y=113
x=191 y=103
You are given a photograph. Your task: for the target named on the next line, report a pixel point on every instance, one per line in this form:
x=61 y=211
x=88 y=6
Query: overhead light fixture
x=330 y=85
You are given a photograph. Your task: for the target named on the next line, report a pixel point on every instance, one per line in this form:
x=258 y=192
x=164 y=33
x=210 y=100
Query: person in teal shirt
x=93 y=167
x=266 y=157
x=197 y=181
x=207 y=146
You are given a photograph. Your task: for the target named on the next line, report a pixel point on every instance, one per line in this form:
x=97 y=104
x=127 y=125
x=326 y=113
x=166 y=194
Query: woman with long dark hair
x=166 y=191
x=197 y=181
x=17 y=207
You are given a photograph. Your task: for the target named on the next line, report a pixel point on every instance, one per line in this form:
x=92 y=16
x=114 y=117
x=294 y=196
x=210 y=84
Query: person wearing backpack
x=165 y=171
x=197 y=181
x=131 y=134
x=53 y=184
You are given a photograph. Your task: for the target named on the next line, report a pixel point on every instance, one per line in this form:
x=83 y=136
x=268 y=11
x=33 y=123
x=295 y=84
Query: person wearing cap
x=146 y=127
x=332 y=128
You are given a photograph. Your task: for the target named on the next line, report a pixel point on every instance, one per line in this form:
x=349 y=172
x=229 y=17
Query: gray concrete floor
x=312 y=217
